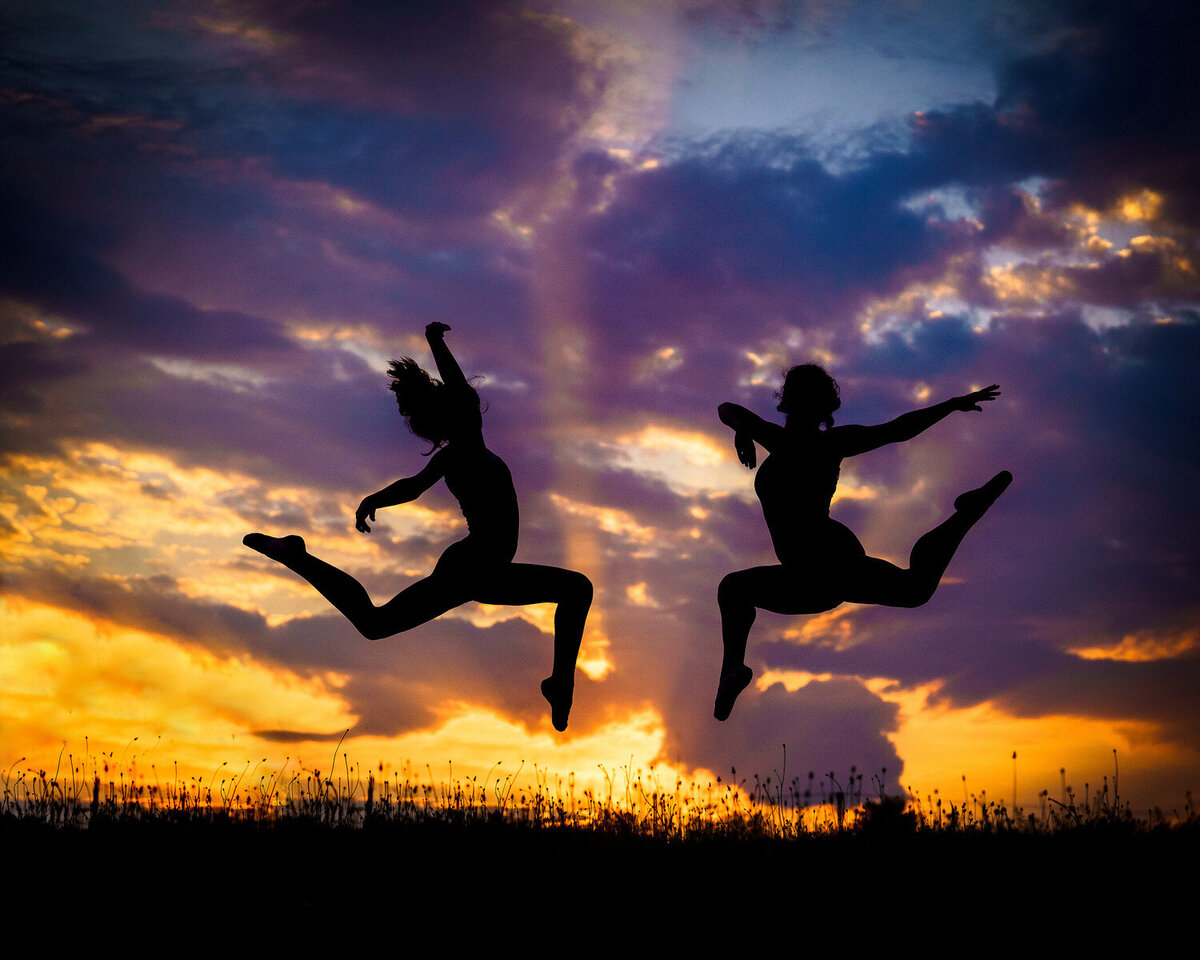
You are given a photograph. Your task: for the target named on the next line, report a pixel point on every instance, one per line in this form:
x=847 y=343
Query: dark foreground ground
x=464 y=884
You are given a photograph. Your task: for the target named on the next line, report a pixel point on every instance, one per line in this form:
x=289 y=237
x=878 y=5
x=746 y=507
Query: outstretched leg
x=419 y=603
x=877 y=581
x=522 y=584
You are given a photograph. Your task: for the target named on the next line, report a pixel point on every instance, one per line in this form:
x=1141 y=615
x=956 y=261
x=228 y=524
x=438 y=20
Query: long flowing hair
x=426 y=405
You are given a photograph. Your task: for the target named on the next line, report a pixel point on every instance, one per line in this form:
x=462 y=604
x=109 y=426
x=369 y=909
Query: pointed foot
x=975 y=503
x=279 y=549
x=559 y=696
x=732 y=684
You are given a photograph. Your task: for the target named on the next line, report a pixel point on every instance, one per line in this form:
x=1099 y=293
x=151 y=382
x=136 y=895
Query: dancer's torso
x=795 y=485
x=482 y=484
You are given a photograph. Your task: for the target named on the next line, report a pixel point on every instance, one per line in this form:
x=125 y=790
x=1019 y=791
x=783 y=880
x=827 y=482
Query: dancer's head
x=425 y=403
x=809 y=394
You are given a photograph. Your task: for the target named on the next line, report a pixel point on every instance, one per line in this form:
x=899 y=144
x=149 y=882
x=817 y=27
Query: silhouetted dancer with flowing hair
x=821 y=563
x=480 y=566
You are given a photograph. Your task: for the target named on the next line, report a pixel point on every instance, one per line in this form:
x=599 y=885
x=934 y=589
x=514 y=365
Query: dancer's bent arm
x=402 y=491
x=852 y=440
x=748 y=427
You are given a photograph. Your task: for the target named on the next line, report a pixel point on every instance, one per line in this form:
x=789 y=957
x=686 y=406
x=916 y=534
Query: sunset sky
x=221 y=218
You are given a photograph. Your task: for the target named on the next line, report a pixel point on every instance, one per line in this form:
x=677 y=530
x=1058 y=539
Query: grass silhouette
x=632 y=802
x=301 y=844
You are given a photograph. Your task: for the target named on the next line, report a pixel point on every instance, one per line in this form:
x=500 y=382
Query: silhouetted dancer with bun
x=821 y=563
x=480 y=566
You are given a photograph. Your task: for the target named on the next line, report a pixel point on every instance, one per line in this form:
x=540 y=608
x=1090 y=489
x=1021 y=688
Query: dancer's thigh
x=784 y=589
x=520 y=584
x=423 y=601
x=871 y=580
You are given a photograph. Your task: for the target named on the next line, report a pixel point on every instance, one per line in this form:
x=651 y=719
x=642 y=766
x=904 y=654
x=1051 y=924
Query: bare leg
x=457 y=578
x=779 y=589
x=877 y=581
x=421 y=602
x=828 y=581
x=521 y=584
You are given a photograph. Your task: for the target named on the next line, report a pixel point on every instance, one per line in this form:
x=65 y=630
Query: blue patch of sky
x=833 y=81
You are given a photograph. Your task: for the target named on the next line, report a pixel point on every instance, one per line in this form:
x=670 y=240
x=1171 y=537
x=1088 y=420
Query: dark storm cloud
x=440 y=109
x=24 y=366
x=1108 y=100
x=758 y=211
x=41 y=263
x=929 y=348
x=158 y=146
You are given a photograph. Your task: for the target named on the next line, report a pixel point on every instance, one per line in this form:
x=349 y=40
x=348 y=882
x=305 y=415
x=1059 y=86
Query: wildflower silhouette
x=821 y=562
x=479 y=567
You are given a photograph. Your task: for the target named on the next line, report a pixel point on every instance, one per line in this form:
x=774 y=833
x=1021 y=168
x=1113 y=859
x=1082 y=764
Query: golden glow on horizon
x=940 y=745
x=476 y=740
x=80 y=679
x=66 y=677
x=98 y=497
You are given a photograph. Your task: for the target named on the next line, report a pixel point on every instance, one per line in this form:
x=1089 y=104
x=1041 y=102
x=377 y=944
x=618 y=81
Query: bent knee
x=729 y=590
x=918 y=595
x=374 y=628
x=580 y=589
x=375 y=633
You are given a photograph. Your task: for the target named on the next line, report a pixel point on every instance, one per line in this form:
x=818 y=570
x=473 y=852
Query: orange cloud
x=1143 y=646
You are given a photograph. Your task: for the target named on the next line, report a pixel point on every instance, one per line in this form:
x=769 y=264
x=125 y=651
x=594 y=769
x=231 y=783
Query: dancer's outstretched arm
x=448 y=368
x=852 y=439
x=402 y=491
